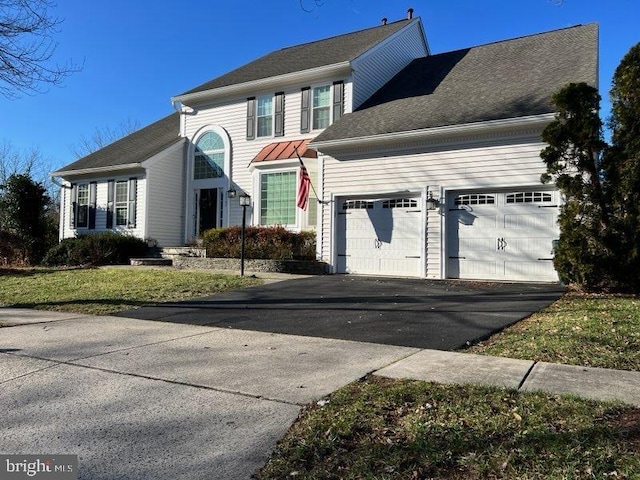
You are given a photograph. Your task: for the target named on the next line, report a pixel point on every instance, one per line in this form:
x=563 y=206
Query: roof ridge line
x=546 y=32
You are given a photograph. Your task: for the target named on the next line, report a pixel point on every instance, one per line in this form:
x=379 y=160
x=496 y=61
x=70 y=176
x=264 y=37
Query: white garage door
x=502 y=235
x=380 y=237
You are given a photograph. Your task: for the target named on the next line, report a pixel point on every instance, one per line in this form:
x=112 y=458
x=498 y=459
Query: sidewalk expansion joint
x=148 y=377
x=526 y=375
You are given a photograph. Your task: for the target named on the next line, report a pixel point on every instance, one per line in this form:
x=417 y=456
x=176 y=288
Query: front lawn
x=391 y=429
x=401 y=429
x=106 y=290
x=579 y=329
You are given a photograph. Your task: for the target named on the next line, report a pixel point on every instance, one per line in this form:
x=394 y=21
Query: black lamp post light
x=245 y=201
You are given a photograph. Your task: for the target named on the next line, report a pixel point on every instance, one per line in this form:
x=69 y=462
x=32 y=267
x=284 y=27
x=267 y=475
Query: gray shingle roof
x=321 y=53
x=134 y=148
x=508 y=79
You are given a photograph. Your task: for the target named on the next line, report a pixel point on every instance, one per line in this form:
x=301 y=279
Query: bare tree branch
x=27 y=48
x=316 y=3
x=101 y=137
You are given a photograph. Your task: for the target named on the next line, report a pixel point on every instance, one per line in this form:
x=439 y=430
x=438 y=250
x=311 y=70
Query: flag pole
x=295 y=148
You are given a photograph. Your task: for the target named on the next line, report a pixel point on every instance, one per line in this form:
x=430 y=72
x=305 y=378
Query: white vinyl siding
x=165 y=218
x=478 y=166
x=101 y=206
x=232 y=115
x=379 y=65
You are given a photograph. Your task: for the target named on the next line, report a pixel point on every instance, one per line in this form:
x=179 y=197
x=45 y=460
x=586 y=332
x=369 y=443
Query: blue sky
x=138 y=54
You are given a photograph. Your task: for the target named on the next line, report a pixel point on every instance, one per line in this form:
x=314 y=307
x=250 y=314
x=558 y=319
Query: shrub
x=12 y=253
x=273 y=243
x=105 y=248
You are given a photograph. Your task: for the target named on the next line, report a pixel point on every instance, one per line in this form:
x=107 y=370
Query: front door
x=207 y=210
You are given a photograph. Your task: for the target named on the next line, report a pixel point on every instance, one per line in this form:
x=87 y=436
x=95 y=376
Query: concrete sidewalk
x=139 y=399
x=464 y=368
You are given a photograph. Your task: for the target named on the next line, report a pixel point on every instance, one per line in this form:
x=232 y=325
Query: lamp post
x=245 y=201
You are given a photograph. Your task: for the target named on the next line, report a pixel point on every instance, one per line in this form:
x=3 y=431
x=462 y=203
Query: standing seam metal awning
x=285 y=151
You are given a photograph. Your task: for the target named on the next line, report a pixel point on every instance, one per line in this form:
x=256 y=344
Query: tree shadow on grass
x=76 y=306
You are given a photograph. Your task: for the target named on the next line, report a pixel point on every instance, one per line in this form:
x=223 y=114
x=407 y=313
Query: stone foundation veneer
x=302 y=267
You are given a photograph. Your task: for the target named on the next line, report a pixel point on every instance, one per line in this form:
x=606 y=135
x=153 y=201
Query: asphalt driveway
x=441 y=315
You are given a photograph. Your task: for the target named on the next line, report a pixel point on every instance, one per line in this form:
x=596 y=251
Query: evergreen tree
x=573 y=161
x=24 y=204
x=622 y=166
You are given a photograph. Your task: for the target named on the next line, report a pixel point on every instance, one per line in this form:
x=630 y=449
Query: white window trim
x=272 y=115
x=77 y=212
x=117 y=225
x=224 y=182
x=311 y=107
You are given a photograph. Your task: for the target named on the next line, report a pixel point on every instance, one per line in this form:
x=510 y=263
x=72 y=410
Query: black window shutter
x=74 y=205
x=279 y=115
x=92 y=205
x=133 y=185
x=251 y=118
x=110 y=194
x=338 y=100
x=305 y=112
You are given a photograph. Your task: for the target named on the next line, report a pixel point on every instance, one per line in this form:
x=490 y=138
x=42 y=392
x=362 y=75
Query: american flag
x=303 y=187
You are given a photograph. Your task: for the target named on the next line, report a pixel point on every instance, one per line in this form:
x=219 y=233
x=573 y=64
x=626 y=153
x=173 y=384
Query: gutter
x=430 y=133
x=264 y=83
x=83 y=171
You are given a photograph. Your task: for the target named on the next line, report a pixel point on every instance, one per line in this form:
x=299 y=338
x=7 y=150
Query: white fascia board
x=87 y=171
x=273 y=164
x=277 y=82
x=491 y=126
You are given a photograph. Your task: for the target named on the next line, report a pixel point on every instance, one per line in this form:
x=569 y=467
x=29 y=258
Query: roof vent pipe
x=384 y=21
x=410 y=14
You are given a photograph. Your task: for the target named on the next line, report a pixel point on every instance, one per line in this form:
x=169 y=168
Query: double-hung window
x=122 y=203
x=321 y=107
x=278 y=198
x=265 y=116
x=82 y=206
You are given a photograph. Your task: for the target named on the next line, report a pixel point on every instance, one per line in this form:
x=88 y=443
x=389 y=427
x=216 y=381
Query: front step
x=151 y=261
x=174 y=252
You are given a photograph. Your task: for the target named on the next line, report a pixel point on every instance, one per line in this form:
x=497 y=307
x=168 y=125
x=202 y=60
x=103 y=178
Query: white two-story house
x=422 y=165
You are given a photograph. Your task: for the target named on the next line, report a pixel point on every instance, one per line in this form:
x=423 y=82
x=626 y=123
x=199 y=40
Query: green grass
x=391 y=429
x=579 y=329
x=103 y=291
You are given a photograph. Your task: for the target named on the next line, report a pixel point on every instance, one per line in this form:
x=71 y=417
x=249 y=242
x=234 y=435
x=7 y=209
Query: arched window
x=208 y=157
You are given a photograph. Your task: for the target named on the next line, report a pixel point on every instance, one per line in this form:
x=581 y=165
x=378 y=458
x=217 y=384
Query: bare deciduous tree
x=27 y=47
x=101 y=137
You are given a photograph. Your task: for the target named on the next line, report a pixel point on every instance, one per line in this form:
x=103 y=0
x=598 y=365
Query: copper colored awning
x=285 y=151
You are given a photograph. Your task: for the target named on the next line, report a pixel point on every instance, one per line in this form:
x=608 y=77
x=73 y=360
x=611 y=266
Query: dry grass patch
x=579 y=329
x=106 y=290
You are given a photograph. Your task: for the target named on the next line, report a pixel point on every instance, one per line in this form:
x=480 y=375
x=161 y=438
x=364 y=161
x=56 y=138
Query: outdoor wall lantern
x=245 y=201
x=231 y=193
x=432 y=203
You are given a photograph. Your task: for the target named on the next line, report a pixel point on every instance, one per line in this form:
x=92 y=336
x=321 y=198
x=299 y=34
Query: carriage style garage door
x=502 y=235
x=380 y=237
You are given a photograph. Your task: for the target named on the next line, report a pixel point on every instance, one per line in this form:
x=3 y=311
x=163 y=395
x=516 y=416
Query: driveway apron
x=441 y=315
